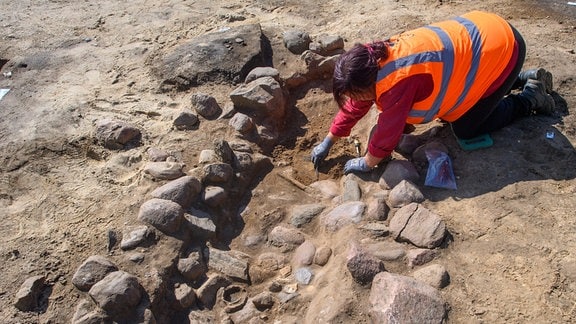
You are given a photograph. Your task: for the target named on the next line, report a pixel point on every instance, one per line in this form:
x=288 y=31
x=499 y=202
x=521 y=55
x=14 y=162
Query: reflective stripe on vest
x=446 y=56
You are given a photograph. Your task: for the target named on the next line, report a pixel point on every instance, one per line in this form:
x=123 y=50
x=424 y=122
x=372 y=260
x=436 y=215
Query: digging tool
x=357 y=146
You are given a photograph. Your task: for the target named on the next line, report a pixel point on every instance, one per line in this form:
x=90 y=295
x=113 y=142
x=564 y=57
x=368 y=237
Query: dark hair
x=356 y=69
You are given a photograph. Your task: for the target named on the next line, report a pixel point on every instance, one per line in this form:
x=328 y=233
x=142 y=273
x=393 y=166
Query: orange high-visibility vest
x=464 y=55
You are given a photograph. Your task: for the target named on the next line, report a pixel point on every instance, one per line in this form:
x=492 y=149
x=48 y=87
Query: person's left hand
x=357 y=164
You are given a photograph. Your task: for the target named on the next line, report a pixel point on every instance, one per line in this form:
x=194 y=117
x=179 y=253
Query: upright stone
x=350 y=189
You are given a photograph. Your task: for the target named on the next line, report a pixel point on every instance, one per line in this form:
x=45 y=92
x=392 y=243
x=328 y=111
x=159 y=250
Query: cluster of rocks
x=186 y=218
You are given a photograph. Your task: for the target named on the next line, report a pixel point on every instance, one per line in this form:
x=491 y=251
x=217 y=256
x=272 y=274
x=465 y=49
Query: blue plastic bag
x=440 y=173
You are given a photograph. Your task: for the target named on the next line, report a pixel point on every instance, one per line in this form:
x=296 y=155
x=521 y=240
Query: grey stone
x=275 y=286
x=396 y=171
x=241 y=146
x=399 y=299
x=208 y=291
x=244 y=162
x=418 y=257
x=325 y=44
x=156 y=154
x=304 y=254
x=207 y=156
x=136 y=257
x=362 y=265
x=183 y=191
x=164 y=170
x=375 y=228
x=233 y=264
x=285 y=236
x=205 y=105
x=186 y=120
x=223 y=151
x=405 y=193
x=217 y=173
x=303 y=214
x=200 y=224
x=344 y=214
x=192 y=267
x=185 y=296
x=317 y=67
x=377 y=209
x=435 y=275
x=85 y=314
x=165 y=215
x=242 y=123
x=158 y=287
x=268 y=133
x=92 y=270
x=303 y=276
x=29 y=293
x=213 y=57
x=214 y=196
x=132 y=236
x=261 y=72
x=419 y=226
x=350 y=189
x=296 y=41
x=263 y=301
x=322 y=255
x=228 y=111
x=386 y=251
x=263 y=98
x=117 y=293
x=116 y=135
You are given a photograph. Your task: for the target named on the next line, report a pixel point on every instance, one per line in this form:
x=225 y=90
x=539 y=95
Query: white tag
x=3 y=92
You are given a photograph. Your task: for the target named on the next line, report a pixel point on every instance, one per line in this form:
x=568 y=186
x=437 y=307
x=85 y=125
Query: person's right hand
x=320 y=152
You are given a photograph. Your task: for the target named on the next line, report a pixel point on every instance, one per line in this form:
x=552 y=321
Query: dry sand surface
x=512 y=257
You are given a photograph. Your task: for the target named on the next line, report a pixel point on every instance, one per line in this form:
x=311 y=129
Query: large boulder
x=225 y=56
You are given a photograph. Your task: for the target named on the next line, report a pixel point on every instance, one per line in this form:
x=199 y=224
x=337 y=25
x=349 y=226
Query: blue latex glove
x=357 y=164
x=320 y=152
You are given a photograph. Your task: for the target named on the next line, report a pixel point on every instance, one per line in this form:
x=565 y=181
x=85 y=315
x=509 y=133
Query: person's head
x=356 y=70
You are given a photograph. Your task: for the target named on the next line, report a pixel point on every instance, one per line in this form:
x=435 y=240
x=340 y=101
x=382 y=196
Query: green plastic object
x=475 y=143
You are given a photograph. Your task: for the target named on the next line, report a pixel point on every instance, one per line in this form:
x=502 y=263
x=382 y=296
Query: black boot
x=536 y=74
x=536 y=98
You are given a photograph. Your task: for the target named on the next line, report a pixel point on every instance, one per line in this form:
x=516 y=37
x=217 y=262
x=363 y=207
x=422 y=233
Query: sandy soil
x=512 y=257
